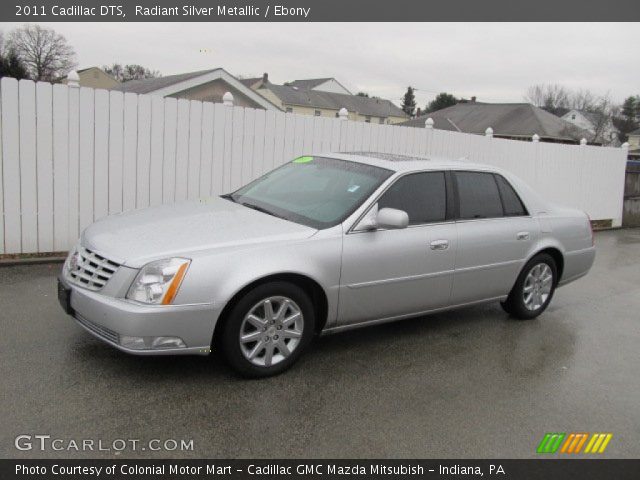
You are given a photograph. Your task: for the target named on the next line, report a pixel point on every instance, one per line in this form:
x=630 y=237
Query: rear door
x=494 y=232
x=389 y=273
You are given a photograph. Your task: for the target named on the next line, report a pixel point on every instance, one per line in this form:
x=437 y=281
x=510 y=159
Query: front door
x=391 y=273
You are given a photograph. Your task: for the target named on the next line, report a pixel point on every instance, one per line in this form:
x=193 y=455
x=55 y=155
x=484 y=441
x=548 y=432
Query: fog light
x=151 y=343
x=167 y=342
x=135 y=343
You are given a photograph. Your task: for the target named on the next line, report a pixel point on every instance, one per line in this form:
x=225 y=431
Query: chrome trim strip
x=410 y=278
x=488 y=266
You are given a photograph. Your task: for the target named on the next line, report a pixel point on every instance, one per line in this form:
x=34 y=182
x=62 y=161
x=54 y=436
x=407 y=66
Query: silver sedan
x=321 y=244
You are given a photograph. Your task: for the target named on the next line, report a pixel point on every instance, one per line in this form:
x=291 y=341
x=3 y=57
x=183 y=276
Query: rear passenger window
x=510 y=200
x=478 y=195
x=422 y=195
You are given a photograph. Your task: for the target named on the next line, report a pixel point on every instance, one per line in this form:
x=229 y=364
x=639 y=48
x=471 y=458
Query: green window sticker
x=303 y=160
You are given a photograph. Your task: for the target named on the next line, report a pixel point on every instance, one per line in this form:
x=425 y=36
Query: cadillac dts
x=322 y=244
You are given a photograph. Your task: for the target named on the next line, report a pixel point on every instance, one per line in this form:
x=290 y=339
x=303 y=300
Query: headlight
x=158 y=282
x=71 y=262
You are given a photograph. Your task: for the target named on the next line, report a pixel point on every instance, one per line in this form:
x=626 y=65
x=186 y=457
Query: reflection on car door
x=390 y=273
x=494 y=236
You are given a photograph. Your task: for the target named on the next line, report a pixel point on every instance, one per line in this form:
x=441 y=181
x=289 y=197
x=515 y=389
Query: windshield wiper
x=261 y=209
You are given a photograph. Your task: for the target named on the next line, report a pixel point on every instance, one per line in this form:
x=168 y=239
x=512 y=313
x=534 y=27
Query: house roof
x=172 y=84
x=80 y=70
x=635 y=132
x=309 y=83
x=249 y=82
x=506 y=119
x=375 y=107
x=149 y=85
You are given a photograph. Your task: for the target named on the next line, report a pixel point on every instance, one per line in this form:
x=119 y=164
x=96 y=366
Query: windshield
x=314 y=191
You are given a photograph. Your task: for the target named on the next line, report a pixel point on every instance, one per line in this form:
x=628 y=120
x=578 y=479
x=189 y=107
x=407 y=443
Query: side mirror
x=392 y=218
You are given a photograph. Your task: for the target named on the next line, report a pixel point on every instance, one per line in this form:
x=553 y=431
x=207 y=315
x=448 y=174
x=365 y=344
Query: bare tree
x=45 y=53
x=550 y=97
x=124 y=73
x=558 y=100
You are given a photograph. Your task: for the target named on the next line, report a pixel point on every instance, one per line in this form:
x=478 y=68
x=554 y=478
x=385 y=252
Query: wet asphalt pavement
x=468 y=383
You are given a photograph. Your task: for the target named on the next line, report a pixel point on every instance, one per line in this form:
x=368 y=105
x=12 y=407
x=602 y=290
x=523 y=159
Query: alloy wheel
x=271 y=331
x=537 y=286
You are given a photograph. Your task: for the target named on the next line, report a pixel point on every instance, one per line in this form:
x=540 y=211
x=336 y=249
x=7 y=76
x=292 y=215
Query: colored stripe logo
x=573 y=443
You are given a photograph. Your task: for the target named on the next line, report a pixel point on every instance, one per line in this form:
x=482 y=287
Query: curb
x=13 y=262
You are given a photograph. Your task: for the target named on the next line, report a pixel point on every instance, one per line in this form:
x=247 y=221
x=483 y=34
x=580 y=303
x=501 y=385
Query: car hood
x=136 y=237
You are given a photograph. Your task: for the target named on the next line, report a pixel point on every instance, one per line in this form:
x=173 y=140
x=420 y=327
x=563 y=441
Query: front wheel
x=533 y=289
x=268 y=329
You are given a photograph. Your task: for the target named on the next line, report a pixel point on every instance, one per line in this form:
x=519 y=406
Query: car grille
x=91 y=270
x=99 y=330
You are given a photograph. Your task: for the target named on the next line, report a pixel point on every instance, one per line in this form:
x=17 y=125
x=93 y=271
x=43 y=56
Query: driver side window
x=422 y=195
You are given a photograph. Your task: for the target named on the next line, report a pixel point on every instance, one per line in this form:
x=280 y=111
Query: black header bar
x=318 y=11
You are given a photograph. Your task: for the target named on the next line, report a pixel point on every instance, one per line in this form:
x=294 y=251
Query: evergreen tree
x=443 y=100
x=12 y=66
x=409 y=102
x=629 y=118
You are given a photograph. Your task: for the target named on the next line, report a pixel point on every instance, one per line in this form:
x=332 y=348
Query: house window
x=289 y=110
x=381 y=120
x=573 y=117
x=317 y=113
x=367 y=119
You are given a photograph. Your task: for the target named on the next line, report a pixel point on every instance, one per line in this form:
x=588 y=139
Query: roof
x=506 y=119
x=249 y=82
x=90 y=68
x=172 y=84
x=149 y=85
x=375 y=107
x=392 y=162
x=635 y=132
x=403 y=163
x=309 y=83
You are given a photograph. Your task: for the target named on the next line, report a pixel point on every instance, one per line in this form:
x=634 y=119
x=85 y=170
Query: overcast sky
x=495 y=62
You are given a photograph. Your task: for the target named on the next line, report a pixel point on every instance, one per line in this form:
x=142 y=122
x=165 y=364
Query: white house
x=598 y=125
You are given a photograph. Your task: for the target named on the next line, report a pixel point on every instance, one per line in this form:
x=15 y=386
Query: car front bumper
x=110 y=319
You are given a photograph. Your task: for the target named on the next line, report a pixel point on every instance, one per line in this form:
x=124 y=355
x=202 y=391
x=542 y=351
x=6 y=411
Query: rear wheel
x=533 y=289
x=268 y=329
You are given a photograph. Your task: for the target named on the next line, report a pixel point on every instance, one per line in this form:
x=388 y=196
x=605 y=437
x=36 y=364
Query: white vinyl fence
x=70 y=156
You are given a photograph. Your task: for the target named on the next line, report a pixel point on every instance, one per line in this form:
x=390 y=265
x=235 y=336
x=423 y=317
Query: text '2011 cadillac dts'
x=321 y=244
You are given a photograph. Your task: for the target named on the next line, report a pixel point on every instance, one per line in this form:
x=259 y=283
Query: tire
x=534 y=278
x=277 y=321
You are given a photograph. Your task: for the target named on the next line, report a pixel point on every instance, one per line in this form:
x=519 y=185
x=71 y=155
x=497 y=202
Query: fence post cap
x=73 y=79
x=625 y=145
x=343 y=113
x=489 y=132
x=535 y=138
x=227 y=99
x=583 y=142
x=428 y=123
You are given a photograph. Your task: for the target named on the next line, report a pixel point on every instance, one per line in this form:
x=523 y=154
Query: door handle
x=522 y=235
x=439 y=244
